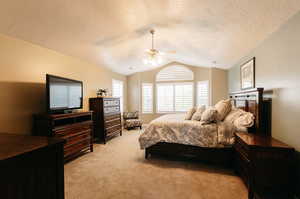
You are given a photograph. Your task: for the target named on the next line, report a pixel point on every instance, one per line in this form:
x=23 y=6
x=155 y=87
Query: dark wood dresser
x=266 y=165
x=75 y=128
x=31 y=167
x=107 y=117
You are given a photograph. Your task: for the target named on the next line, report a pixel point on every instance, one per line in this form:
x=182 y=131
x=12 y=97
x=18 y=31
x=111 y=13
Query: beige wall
x=214 y=76
x=133 y=83
x=278 y=68
x=22 y=80
x=219 y=84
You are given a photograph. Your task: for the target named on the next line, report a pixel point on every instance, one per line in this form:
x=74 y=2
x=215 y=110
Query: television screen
x=63 y=93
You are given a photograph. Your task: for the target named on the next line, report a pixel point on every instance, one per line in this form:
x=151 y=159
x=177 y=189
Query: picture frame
x=247 y=74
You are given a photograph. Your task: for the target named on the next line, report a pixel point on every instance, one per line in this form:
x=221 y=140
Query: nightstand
x=265 y=164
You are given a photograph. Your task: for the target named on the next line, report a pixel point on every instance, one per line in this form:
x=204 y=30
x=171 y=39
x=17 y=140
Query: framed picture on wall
x=247 y=75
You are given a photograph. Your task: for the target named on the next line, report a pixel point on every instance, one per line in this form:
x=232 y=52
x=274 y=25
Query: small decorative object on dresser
x=75 y=128
x=266 y=165
x=102 y=92
x=131 y=120
x=31 y=167
x=107 y=117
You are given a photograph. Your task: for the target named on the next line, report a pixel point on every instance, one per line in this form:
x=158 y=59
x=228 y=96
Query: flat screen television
x=63 y=94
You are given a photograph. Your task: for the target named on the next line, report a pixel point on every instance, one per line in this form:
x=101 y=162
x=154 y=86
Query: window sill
x=171 y=112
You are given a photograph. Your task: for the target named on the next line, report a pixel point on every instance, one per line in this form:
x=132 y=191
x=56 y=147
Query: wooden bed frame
x=249 y=100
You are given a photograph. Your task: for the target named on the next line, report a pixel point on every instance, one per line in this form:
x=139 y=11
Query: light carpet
x=118 y=170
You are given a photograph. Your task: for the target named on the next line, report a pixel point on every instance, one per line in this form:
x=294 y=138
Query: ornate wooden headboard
x=253 y=101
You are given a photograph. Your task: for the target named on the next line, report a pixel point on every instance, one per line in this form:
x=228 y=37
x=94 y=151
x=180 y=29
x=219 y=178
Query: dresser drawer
x=112 y=109
x=60 y=132
x=241 y=148
x=113 y=129
x=114 y=122
x=76 y=148
x=111 y=102
x=71 y=140
x=112 y=117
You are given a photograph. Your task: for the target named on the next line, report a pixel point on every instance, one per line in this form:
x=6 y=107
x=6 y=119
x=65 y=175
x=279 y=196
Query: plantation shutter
x=183 y=96
x=202 y=93
x=165 y=98
x=174 y=97
x=147 y=98
x=117 y=91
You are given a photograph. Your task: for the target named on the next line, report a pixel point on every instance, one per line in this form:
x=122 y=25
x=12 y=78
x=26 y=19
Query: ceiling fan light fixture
x=153 y=56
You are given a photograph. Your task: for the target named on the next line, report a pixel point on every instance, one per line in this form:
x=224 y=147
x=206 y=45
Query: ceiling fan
x=153 y=56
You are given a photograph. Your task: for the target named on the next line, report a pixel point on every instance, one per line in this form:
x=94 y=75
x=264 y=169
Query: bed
x=211 y=142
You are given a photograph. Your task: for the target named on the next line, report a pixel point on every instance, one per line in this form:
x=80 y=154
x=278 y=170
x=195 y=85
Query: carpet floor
x=118 y=170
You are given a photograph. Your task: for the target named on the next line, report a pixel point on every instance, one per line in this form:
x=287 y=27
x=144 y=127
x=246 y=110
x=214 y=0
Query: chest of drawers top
x=258 y=141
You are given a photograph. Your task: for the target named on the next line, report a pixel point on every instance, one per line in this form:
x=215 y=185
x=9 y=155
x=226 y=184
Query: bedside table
x=265 y=164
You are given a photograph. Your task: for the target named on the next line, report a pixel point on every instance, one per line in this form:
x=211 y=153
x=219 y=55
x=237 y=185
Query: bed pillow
x=223 y=107
x=190 y=113
x=241 y=119
x=233 y=115
x=209 y=115
x=197 y=115
x=246 y=120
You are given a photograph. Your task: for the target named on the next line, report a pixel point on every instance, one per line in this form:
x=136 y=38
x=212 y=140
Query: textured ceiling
x=114 y=33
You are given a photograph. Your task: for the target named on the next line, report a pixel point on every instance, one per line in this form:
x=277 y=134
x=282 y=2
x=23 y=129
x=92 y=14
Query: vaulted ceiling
x=115 y=33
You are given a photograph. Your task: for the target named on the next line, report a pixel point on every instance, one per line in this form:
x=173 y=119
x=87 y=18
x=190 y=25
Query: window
x=147 y=98
x=202 y=93
x=183 y=96
x=165 y=98
x=117 y=91
x=174 y=97
x=175 y=73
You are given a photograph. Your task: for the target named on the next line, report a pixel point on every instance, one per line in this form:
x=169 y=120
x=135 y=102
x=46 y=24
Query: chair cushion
x=132 y=123
x=131 y=115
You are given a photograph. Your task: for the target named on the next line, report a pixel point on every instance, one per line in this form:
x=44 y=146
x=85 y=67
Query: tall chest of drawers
x=107 y=117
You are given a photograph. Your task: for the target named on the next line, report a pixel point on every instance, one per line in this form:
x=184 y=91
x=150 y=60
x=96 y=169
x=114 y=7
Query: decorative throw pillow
x=209 y=115
x=190 y=113
x=223 y=107
x=197 y=115
x=233 y=115
x=246 y=120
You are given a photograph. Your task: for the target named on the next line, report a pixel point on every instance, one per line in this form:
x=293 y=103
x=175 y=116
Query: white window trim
x=174 y=83
x=152 y=93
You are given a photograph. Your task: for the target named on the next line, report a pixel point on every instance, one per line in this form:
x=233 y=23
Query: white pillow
x=197 y=115
x=209 y=115
x=246 y=120
x=190 y=113
x=233 y=115
x=223 y=107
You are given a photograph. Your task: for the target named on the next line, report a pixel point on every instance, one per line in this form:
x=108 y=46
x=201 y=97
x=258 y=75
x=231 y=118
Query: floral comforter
x=172 y=128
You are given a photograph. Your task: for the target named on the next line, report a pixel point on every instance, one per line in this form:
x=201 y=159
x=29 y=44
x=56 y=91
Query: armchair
x=131 y=120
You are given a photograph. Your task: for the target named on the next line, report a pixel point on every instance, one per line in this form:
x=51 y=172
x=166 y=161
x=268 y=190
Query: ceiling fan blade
x=171 y=51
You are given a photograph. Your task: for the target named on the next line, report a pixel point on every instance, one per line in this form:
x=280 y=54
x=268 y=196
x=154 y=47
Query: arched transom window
x=175 y=73
x=174 y=89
